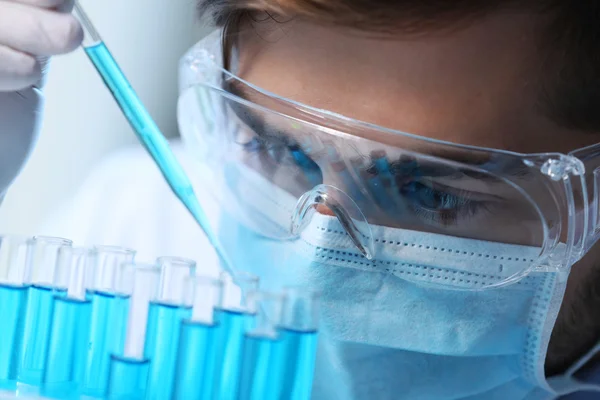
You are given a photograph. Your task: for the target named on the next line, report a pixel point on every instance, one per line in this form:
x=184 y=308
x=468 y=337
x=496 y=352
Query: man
x=501 y=81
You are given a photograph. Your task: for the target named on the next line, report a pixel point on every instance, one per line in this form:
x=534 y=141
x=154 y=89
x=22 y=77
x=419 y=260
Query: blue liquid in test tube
x=298 y=334
x=108 y=320
x=195 y=371
x=263 y=352
x=197 y=352
x=69 y=332
x=13 y=302
x=162 y=336
x=35 y=334
x=229 y=343
x=128 y=378
x=300 y=348
x=108 y=316
x=165 y=315
x=38 y=314
x=129 y=371
x=233 y=320
x=67 y=347
x=261 y=368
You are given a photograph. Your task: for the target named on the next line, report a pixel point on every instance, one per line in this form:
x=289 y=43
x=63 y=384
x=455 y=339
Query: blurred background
x=82 y=124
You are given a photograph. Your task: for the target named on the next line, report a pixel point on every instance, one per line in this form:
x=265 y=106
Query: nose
x=329 y=200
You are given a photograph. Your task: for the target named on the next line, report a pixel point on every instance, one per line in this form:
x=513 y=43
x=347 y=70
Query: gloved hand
x=30 y=32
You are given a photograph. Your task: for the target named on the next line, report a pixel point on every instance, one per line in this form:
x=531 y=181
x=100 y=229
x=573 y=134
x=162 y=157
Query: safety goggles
x=274 y=162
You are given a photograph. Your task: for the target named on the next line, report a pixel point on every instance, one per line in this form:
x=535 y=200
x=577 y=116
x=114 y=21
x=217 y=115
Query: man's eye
x=274 y=152
x=441 y=207
x=432 y=199
x=274 y=148
x=253 y=145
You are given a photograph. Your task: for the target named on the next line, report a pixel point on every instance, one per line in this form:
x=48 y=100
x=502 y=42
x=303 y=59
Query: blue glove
x=30 y=32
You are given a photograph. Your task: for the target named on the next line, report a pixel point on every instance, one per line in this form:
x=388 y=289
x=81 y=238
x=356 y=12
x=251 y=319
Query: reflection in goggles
x=400 y=183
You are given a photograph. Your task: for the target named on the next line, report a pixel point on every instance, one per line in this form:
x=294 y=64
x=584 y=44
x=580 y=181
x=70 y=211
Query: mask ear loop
x=568 y=383
x=583 y=360
x=343 y=208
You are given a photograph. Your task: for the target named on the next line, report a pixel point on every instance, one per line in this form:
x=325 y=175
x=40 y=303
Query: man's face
x=475 y=86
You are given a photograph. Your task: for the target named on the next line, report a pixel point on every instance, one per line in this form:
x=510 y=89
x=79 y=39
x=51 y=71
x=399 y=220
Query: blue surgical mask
x=390 y=331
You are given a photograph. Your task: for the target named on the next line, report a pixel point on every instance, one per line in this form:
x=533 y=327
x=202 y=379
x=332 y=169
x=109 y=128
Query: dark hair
x=570 y=45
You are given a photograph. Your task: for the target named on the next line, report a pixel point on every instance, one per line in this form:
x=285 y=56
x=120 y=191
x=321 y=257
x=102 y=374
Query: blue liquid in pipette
x=261 y=369
x=13 y=302
x=38 y=321
x=107 y=336
x=153 y=140
x=196 y=356
x=300 y=349
x=67 y=349
x=162 y=336
x=229 y=345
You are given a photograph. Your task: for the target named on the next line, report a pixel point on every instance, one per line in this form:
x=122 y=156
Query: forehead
x=476 y=85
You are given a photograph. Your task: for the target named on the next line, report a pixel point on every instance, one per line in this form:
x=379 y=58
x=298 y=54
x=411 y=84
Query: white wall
x=82 y=122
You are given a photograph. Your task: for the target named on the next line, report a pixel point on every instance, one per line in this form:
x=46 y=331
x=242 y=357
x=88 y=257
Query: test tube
x=129 y=371
x=263 y=353
x=42 y=263
x=233 y=318
x=195 y=368
x=69 y=332
x=165 y=314
x=109 y=303
x=298 y=333
x=13 y=303
x=107 y=266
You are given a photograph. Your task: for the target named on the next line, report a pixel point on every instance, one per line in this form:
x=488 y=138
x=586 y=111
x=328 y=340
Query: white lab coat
x=126 y=202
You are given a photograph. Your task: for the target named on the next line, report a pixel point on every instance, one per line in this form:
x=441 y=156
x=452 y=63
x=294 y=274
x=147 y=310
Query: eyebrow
x=509 y=165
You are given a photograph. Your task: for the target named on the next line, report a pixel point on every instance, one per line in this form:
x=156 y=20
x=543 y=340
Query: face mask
x=388 y=333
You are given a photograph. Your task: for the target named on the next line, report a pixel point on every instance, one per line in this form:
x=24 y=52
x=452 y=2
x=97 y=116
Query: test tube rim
x=53 y=240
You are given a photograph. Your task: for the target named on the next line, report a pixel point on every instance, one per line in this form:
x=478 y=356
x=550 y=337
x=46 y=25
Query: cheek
x=581 y=272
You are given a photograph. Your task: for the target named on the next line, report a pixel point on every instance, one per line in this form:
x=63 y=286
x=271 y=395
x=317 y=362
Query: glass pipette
x=144 y=126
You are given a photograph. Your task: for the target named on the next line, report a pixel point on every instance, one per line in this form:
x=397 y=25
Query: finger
x=50 y=4
x=38 y=31
x=18 y=70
